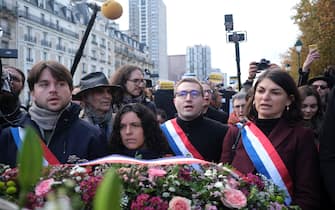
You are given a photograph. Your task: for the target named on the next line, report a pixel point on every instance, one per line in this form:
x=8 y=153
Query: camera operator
x=254 y=68
x=10 y=105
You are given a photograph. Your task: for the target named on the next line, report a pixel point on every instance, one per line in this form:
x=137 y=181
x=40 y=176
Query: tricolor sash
x=49 y=158
x=265 y=157
x=178 y=141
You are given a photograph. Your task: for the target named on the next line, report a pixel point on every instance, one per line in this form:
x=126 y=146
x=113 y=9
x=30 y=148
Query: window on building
x=42 y=18
x=83 y=66
x=45 y=56
x=26 y=11
x=94 y=68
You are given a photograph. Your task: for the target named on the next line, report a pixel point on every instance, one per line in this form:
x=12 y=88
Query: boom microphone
x=111 y=9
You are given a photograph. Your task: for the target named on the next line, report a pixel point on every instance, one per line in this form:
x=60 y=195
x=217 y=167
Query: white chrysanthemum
x=77 y=169
x=172 y=189
x=165 y=194
x=219 y=185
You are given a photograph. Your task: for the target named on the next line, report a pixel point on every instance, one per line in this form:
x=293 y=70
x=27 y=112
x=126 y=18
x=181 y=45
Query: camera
x=5 y=82
x=263 y=64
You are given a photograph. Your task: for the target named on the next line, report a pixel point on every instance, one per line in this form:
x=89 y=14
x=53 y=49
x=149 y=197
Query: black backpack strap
x=234 y=146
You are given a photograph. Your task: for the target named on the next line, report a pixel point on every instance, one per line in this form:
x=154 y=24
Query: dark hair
x=57 y=70
x=162 y=113
x=153 y=135
x=285 y=81
x=122 y=74
x=306 y=91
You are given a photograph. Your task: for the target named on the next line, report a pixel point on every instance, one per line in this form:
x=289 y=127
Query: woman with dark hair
x=312 y=110
x=274 y=141
x=136 y=133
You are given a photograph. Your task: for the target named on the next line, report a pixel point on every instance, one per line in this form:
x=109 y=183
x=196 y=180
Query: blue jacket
x=72 y=138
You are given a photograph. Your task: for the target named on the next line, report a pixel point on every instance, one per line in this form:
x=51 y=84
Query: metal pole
x=298 y=60
x=83 y=41
x=237 y=53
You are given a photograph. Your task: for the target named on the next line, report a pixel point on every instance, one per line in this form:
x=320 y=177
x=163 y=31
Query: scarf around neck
x=130 y=99
x=45 y=119
x=94 y=118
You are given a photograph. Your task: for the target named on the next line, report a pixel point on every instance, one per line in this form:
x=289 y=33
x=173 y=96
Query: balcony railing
x=46 y=23
x=46 y=43
x=60 y=47
x=29 y=38
x=30 y=60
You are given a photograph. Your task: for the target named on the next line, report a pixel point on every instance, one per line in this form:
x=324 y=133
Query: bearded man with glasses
x=131 y=79
x=191 y=134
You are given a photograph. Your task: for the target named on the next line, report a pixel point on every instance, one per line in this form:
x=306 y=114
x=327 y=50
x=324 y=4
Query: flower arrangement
x=147 y=187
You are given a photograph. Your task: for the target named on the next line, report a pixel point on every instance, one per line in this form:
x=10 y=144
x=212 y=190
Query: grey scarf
x=103 y=121
x=130 y=99
x=45 y=119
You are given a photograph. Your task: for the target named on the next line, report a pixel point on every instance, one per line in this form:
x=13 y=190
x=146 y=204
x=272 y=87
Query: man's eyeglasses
x=193 y=93
x=322 y=87
x=137 y=81
x=208 y=91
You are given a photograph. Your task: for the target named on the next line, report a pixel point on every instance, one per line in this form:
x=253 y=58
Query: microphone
x=111 y=9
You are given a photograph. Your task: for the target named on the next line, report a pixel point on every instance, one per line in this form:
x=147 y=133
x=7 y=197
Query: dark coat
x=217 y=115
x=295 y=145
x=327 y=147
x=72 y=138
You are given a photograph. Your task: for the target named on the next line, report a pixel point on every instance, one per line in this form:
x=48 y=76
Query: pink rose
x=156 y=172
x=179 y=203
x=44 y=187
x=233 y=183
x=233 y=198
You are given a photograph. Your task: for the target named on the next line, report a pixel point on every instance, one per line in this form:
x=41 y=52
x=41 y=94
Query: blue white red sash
x=49 y=158
x=178 y=141
x=265 y=157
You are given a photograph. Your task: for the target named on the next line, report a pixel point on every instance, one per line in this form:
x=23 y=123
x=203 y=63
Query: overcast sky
x=268 y=24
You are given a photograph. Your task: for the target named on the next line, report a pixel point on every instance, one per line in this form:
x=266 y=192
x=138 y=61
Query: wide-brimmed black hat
x=328 y=80
x=95 y=80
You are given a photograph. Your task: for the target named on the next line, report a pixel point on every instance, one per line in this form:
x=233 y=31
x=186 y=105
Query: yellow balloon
x=111 y=9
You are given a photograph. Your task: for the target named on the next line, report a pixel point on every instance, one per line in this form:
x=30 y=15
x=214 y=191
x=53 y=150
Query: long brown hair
x=285 y=81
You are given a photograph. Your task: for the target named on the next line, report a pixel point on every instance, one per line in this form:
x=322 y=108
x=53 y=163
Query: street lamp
x=298 y=47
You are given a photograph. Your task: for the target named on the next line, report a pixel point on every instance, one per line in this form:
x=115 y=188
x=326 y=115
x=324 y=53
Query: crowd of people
x=277 y=127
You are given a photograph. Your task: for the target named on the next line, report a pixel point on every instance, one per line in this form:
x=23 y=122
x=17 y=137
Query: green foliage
x=316 y=21
x=108 y=195
x=30 y=159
